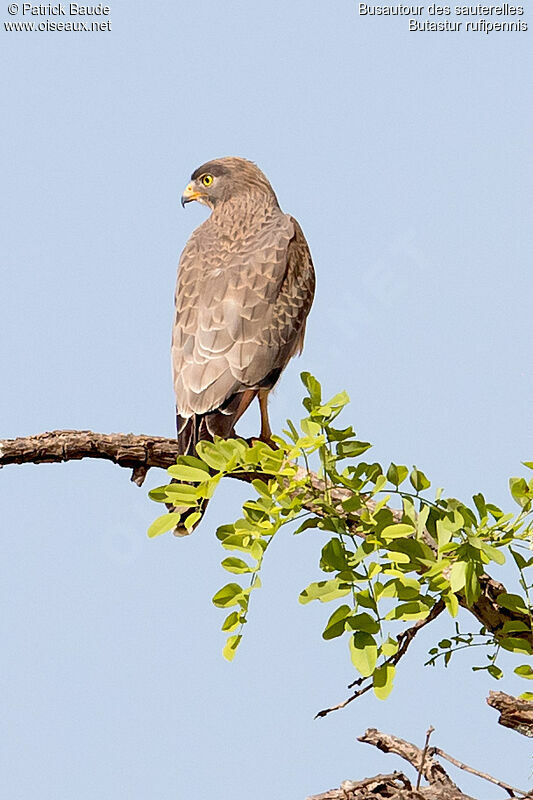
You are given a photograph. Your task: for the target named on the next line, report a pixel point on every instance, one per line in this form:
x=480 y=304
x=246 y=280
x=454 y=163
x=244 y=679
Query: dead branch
x=514 y=712
x=397 y=786
x=429 y=731
x=511 y=790
x=140 y=453
x=433 y=772
x=380 y=786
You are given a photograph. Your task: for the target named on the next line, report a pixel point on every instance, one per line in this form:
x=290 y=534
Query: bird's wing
x=240 y=312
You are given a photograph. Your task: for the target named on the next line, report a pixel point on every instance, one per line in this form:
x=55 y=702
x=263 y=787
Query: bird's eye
x=207 y=180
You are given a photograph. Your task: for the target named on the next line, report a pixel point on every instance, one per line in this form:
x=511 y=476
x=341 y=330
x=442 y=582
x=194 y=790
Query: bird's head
x=223 y=179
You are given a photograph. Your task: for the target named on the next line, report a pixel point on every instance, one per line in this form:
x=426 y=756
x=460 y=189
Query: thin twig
x=424 y=754
x=512 y=790
x=404 y=639
x=354 y=696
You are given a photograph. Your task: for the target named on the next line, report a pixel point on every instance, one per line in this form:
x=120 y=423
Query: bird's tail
x=204 y=428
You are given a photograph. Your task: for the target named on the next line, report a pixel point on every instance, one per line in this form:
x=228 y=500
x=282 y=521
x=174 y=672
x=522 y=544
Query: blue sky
x=406 y=159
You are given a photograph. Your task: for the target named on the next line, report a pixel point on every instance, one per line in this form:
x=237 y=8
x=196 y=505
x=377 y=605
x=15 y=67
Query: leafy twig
x=404 y=640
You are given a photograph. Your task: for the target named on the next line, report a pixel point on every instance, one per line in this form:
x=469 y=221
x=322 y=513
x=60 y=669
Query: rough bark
x=425 y=765
x=397 y=786
x=140 y=453
x=514 y=712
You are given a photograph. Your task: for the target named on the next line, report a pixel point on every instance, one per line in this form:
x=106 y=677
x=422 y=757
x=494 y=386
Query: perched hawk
x=244 y=290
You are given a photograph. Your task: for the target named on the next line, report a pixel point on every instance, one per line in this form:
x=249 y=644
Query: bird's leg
x=266 y=432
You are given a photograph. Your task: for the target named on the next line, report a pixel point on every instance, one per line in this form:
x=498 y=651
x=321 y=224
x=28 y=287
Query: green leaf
x=212 y=454
x=515 y=626
x=184 y=472
x=336 y=623
x=391 y=588
x=495 y=671
x=383 y=681
x=398 y=530
x=324 y=591
x=236 y=565
x=444 y=533
x=452 y=603
x=311 y=522
x=310 y=428
x=164 y=524
x=182 y=495
x=363 y=622
x=472 y=587
x=398 y=557
x=520 y=491
x=365 y=600
x=396 y=474
x=493 y=553
x=458 y=576
x=334 y=556
x=526 y=696
x=389 y=647
x=481 y=505
x=364 y=653
x=238 y=541
x=421 y=520
x=516 y=645
x=232 y=621
x=374 y=569
x=519 y=559
x=339 y=400
x=513 y=602
x=352 y=449
x=418 y=480
x=313 y=387
x=406 y=611
x=353 y=503
x=228 y=596
x=158 y=494
x=525 y=671
x=230 y=648
x=191 y=520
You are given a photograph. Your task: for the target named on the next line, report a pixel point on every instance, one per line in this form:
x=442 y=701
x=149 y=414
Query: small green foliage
x=230 y=648
x=163 y=524
x=383 y=680
x=364 y=653
x=525 y=671
x=384 y=570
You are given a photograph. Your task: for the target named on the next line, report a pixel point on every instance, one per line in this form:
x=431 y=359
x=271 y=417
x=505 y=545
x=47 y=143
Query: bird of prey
x=244 y=289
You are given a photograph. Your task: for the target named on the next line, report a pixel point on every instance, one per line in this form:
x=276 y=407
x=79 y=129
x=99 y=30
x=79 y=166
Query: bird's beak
x=190 y=194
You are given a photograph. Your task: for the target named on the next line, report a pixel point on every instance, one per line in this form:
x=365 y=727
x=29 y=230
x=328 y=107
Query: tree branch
x=379 y=786
x=433 y=772
x=514 y=712
x=140 y=453
x=397 y=786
